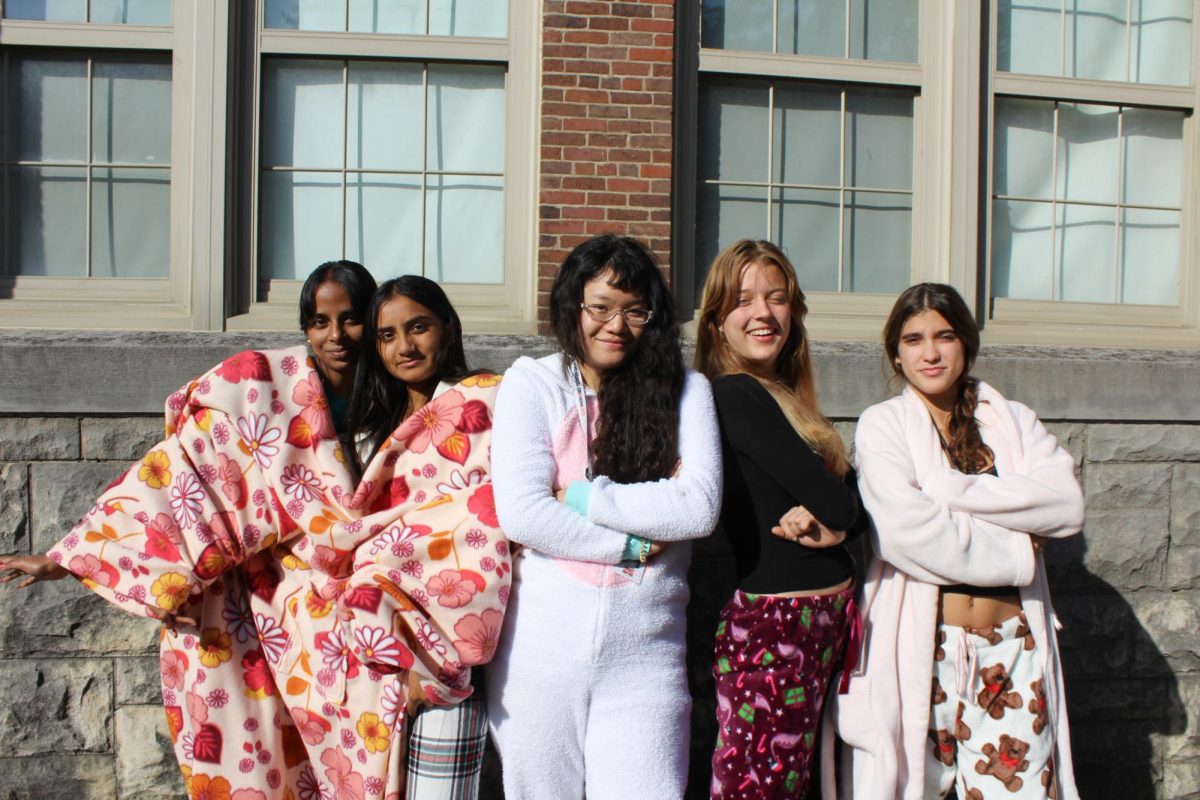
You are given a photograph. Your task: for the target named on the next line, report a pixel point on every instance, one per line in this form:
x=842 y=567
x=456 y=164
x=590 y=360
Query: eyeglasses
x=634 y=317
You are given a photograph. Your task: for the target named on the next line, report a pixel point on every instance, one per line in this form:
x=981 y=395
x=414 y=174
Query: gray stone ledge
x=38 y=439
x=1144 y=442
x=121 y=373
x=119 y=438
x=54 y=705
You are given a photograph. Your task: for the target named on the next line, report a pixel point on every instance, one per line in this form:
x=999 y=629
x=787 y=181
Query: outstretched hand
x=32 y=568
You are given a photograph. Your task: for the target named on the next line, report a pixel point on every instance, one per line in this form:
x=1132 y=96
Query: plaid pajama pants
x=445 y=751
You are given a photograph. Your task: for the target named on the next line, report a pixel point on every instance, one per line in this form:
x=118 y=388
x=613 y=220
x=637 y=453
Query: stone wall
x=79 y=698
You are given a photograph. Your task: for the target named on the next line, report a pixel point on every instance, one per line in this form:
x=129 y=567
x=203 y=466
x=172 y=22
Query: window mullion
x=841 y=284
x=87 y=170
x=1119 y=236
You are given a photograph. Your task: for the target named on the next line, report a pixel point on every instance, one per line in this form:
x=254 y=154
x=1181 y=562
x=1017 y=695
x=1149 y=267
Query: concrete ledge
x=97 y=373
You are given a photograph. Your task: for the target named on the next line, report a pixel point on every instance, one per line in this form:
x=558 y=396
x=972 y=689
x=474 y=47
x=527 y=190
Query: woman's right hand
x=800 y=526
x=34 y=568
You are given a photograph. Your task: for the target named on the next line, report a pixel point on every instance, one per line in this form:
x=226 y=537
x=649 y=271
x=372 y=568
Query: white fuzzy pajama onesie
x=587 y=694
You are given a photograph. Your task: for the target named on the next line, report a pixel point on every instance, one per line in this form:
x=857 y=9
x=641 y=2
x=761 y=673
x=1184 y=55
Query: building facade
x=172 y=168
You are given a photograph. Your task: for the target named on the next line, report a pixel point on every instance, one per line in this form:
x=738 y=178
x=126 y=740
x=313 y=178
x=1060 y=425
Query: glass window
x=824 y=171
x=1140 y=41
x=855 y=29
x=87 y=165
x=483 y=18
x=1086 y=202
x=103 y=12
x=385 y=163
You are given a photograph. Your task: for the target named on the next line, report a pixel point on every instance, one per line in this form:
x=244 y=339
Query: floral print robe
x=315 y=599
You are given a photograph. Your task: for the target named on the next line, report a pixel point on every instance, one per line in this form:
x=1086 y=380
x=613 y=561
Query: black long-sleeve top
x=768 y=470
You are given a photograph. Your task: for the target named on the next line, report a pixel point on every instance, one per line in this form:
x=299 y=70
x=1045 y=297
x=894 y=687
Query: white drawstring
x=965 y=664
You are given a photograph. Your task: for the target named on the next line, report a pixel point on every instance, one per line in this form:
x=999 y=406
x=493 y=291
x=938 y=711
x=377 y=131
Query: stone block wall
x=79 y=699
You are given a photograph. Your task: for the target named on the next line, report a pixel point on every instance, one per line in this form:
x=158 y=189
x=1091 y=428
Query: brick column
x=606 y=128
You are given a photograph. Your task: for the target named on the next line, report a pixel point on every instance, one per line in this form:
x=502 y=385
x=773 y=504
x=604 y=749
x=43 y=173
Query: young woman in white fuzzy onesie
x=587 y=694
x=962 y=681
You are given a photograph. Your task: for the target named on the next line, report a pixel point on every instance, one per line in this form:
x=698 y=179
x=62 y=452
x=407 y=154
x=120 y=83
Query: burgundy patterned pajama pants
x=774 y=659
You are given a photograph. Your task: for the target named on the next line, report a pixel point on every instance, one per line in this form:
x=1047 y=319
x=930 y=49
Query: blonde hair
x=792 y=383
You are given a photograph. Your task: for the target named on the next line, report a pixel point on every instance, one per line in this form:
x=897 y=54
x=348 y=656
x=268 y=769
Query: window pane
x=455 y=205
x=807 y=133
x=733 y=130
x=1022 y=246
x=1084 y=254
x=1029 y=36
x=131 y=12
x=812 y=28
x=383 y=223
x=884 y=31
x=51 y=111
x=300 y=222
x=878 y=242
x=1162 y=41
x=1150 y=257
x=49 y=10
x=725 y=214
x=879 y=145
x=465 y=124
x=1087 y=152
x=1153 y=168
x=805 y=227
x=387 y=16
x=303 y=113
x=131 y=112
x=48 y=229
x=384 y=131
x=468 y=18
x=306 y=15
x=738 y=24
x=131 y=223
x=1024 y=148
x=1095 y=39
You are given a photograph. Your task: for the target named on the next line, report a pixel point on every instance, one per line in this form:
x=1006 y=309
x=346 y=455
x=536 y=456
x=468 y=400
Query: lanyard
x=581 y=410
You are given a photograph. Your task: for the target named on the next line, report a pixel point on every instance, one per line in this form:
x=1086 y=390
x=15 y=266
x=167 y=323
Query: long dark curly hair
x=637 y=433
x=380 y=401
x=964 y=446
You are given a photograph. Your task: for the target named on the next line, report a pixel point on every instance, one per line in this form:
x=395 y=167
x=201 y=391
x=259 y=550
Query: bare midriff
x=971 y=611
x=837 y=587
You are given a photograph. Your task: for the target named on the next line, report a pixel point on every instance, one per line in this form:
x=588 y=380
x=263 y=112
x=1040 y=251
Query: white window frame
x=190 y=296
x=507 y=307
x=1032 y=321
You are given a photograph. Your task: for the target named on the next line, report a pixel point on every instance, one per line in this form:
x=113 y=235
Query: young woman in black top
x=789 y=501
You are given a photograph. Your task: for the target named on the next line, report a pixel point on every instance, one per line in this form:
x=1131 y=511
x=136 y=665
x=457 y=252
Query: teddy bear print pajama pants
x=989 y=733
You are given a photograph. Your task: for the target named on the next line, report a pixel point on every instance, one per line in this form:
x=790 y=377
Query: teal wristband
x=633 y=549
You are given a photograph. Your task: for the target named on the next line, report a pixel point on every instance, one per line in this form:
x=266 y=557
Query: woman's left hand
x=33 y=568
x=800 y=526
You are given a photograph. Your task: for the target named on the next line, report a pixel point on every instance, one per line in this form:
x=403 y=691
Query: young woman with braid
x=606 y=461
x=962 y=684
x=789 y=501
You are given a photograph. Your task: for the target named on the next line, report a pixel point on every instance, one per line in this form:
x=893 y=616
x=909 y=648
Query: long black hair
x=964 y=446
x=637 y=433
x=379 y=401
x=350 y=275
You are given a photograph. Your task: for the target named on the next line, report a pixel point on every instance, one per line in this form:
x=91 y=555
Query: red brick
x=660 y=156
x=606 y=140
x=608 y=53
x=664 y=69
x=627 y=214
x=607 y=168
x=650 y=140
x=579 y=7
x=586 y=96
x=585 y=168
x=552 y=65
x=559 y=79
x=630 y=9
x=653 y=25
x=583 y=153
x=608 y=112
x=564 y=51
x=660 y=187
x=630 y=126
x=628 y=154
x=597 y=228
x=589 y=67
x=551 y=153
x=587 y=37
x=648 y=229
x=563 y=109
x=655 y=171
x=583 y=212
x=564 y=138
x=632 y=84
x=549 y=212
x=563 y=198
x=611 y=83
x=665 y=85
x=628 y=185
x=633 y=38
x=584 y=124
x=608 y=23
x=562 y=21
x=632 y=98
x=562 y=226
x=648 y=200
x=589 y=81
x=588 y=183
x=650 y=54
x=552 y=35
x=556 y=167
x=627 y=170
x=552 y=95
x=660 y=214
x=666 y=40
x=631 y=68
x=606 y=198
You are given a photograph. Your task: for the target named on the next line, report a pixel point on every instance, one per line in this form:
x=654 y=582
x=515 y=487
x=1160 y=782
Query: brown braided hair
x=964 y=446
